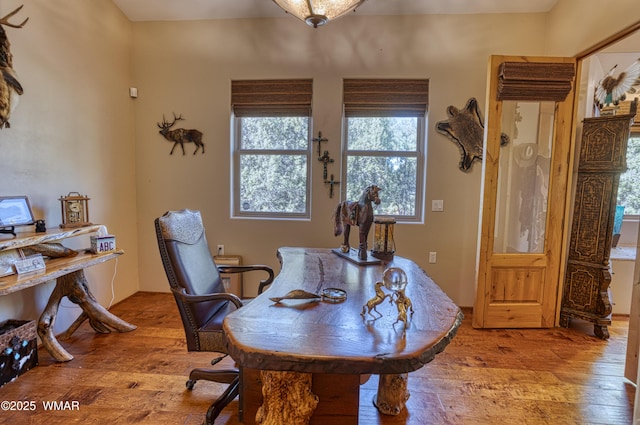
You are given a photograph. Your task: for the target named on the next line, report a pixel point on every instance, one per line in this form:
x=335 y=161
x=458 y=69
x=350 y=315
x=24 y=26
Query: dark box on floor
x=18 y=348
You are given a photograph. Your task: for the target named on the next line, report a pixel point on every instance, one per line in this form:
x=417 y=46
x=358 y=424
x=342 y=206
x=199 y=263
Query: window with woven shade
x=385 y=143
x=271 y=155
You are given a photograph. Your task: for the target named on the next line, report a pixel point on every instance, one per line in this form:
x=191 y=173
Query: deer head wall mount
x=10 y=87
x=180 y=136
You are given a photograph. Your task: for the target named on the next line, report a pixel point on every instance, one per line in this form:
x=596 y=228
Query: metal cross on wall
x=325 y=159
x=331 y=183
x=320 y=140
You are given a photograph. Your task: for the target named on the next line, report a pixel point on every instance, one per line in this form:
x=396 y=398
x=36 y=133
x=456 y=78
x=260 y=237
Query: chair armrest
x=242 y=269
x=188 y=298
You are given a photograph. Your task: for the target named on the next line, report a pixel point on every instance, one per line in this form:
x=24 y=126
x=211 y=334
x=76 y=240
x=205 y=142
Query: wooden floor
x=551 y=376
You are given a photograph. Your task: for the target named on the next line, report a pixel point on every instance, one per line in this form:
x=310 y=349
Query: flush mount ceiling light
x=318 y=12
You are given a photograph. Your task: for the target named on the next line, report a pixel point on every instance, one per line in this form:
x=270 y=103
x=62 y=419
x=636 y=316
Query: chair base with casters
x=199 y=374
x=197 y=287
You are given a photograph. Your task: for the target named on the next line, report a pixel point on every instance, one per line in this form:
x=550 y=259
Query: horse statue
x=375 y=301
x=404 y=305
x=356 y=213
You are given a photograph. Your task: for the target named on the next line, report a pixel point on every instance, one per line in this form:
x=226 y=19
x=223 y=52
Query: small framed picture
x=7 y=261
x=33 y=263
x=15 y=211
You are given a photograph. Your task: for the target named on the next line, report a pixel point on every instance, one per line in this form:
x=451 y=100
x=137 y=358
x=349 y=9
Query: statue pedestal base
x=352 y=255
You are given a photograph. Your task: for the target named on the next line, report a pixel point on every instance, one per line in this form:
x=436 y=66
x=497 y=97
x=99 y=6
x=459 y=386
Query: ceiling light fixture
x=318 y=12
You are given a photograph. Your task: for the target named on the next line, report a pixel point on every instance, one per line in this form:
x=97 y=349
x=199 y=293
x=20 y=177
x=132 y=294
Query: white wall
x=73 y=131
x=186 y=68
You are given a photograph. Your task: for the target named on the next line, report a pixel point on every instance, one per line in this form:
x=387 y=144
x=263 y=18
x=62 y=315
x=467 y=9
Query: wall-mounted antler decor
x=10 y=88
x=180 y=136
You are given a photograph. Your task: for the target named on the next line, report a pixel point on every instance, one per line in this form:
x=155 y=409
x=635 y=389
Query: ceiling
x=172 y=10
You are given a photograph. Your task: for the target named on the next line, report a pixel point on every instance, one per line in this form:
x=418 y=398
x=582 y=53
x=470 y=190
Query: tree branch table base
x=74 y=287
x=392 y=393
x=66 y=267
x=287 y=398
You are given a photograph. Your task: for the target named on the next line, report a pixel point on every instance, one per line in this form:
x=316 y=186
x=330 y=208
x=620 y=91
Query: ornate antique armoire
x=602 y=159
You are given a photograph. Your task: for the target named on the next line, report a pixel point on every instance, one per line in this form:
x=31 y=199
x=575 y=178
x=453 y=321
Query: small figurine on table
x=375 y=301
x=41 y=227
x=404 y=305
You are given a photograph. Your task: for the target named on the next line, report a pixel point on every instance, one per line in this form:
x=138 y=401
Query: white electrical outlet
x=432 y=257
x=220 y=250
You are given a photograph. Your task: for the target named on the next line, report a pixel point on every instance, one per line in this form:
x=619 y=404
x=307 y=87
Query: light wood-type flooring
x=548 y=376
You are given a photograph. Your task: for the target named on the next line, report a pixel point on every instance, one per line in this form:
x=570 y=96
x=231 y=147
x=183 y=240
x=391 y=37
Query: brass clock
x=75 y=210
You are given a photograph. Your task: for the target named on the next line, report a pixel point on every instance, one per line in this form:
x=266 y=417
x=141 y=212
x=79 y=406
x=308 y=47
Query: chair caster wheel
x=190 y=384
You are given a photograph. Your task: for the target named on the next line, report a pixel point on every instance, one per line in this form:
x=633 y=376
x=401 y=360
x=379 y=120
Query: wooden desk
x=322 y=349
x=70 y=282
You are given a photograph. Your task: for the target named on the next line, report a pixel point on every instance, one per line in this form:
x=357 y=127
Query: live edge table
x=302 y=361
x=68 y=272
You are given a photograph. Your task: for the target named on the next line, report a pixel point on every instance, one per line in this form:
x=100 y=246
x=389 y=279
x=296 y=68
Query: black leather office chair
x=199 y=293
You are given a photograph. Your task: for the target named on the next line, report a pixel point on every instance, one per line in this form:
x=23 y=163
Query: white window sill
x=623 y=253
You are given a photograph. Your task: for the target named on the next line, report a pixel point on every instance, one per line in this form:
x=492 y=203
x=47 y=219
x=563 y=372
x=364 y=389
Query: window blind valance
x=385 y=97
x=271 y=97
x=535 y=81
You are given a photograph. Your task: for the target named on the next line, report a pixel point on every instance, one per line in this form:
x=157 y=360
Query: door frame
x=544 y=312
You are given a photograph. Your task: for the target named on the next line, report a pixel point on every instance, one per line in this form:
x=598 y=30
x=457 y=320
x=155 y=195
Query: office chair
x=199 y=292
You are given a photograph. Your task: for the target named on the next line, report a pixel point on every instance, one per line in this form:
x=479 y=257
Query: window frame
x=391 y=98
x=629 y=216
x=269 y=98
x=421 y=158
x=238 y=151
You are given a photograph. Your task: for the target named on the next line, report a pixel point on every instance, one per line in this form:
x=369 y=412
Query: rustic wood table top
x=324 y=337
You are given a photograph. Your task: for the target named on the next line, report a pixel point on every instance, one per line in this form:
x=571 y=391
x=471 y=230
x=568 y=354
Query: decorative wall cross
x=325 y=159
x=320 y=140
x=331 y=183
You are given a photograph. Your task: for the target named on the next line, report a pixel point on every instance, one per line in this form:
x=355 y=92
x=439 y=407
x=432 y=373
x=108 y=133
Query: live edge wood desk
x=307 y=358
x=70 y=282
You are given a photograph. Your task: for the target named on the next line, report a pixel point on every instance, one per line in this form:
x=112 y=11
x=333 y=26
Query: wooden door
x=524 y=193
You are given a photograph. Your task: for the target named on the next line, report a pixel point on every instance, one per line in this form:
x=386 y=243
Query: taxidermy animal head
x=180 y=136
x=10 y=88
x=612 y=90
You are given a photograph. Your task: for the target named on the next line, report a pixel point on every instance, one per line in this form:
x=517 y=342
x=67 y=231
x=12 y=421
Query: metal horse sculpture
x=375 y=301
x=356 y=213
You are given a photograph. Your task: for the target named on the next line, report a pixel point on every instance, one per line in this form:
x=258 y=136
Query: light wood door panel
x=524 y=196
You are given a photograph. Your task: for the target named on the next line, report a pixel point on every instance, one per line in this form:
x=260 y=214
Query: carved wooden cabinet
x=602 y=159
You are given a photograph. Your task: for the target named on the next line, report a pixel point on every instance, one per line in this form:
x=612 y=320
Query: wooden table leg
x=75 y=287
x=338 y=397
x=392 y=393
x=287 y=398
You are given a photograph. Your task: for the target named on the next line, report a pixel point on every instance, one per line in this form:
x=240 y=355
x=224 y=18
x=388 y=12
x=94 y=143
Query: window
x=271 y=171
x=384 y=122
x=629 y=190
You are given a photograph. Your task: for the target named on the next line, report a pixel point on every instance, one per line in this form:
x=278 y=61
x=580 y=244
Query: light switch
x=437 y=205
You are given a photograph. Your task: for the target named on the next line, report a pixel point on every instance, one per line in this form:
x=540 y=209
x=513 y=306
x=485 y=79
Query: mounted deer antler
x=180 y=135
x=5 y=20
x=10 y=88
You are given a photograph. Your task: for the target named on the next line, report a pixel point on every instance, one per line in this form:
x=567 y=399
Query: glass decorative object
x=383 y=244
x=395 y=279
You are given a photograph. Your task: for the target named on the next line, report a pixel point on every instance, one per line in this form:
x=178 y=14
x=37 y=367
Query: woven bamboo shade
x=625 y=108
x=385 y=97
x=271 y=97
x=535 y=81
